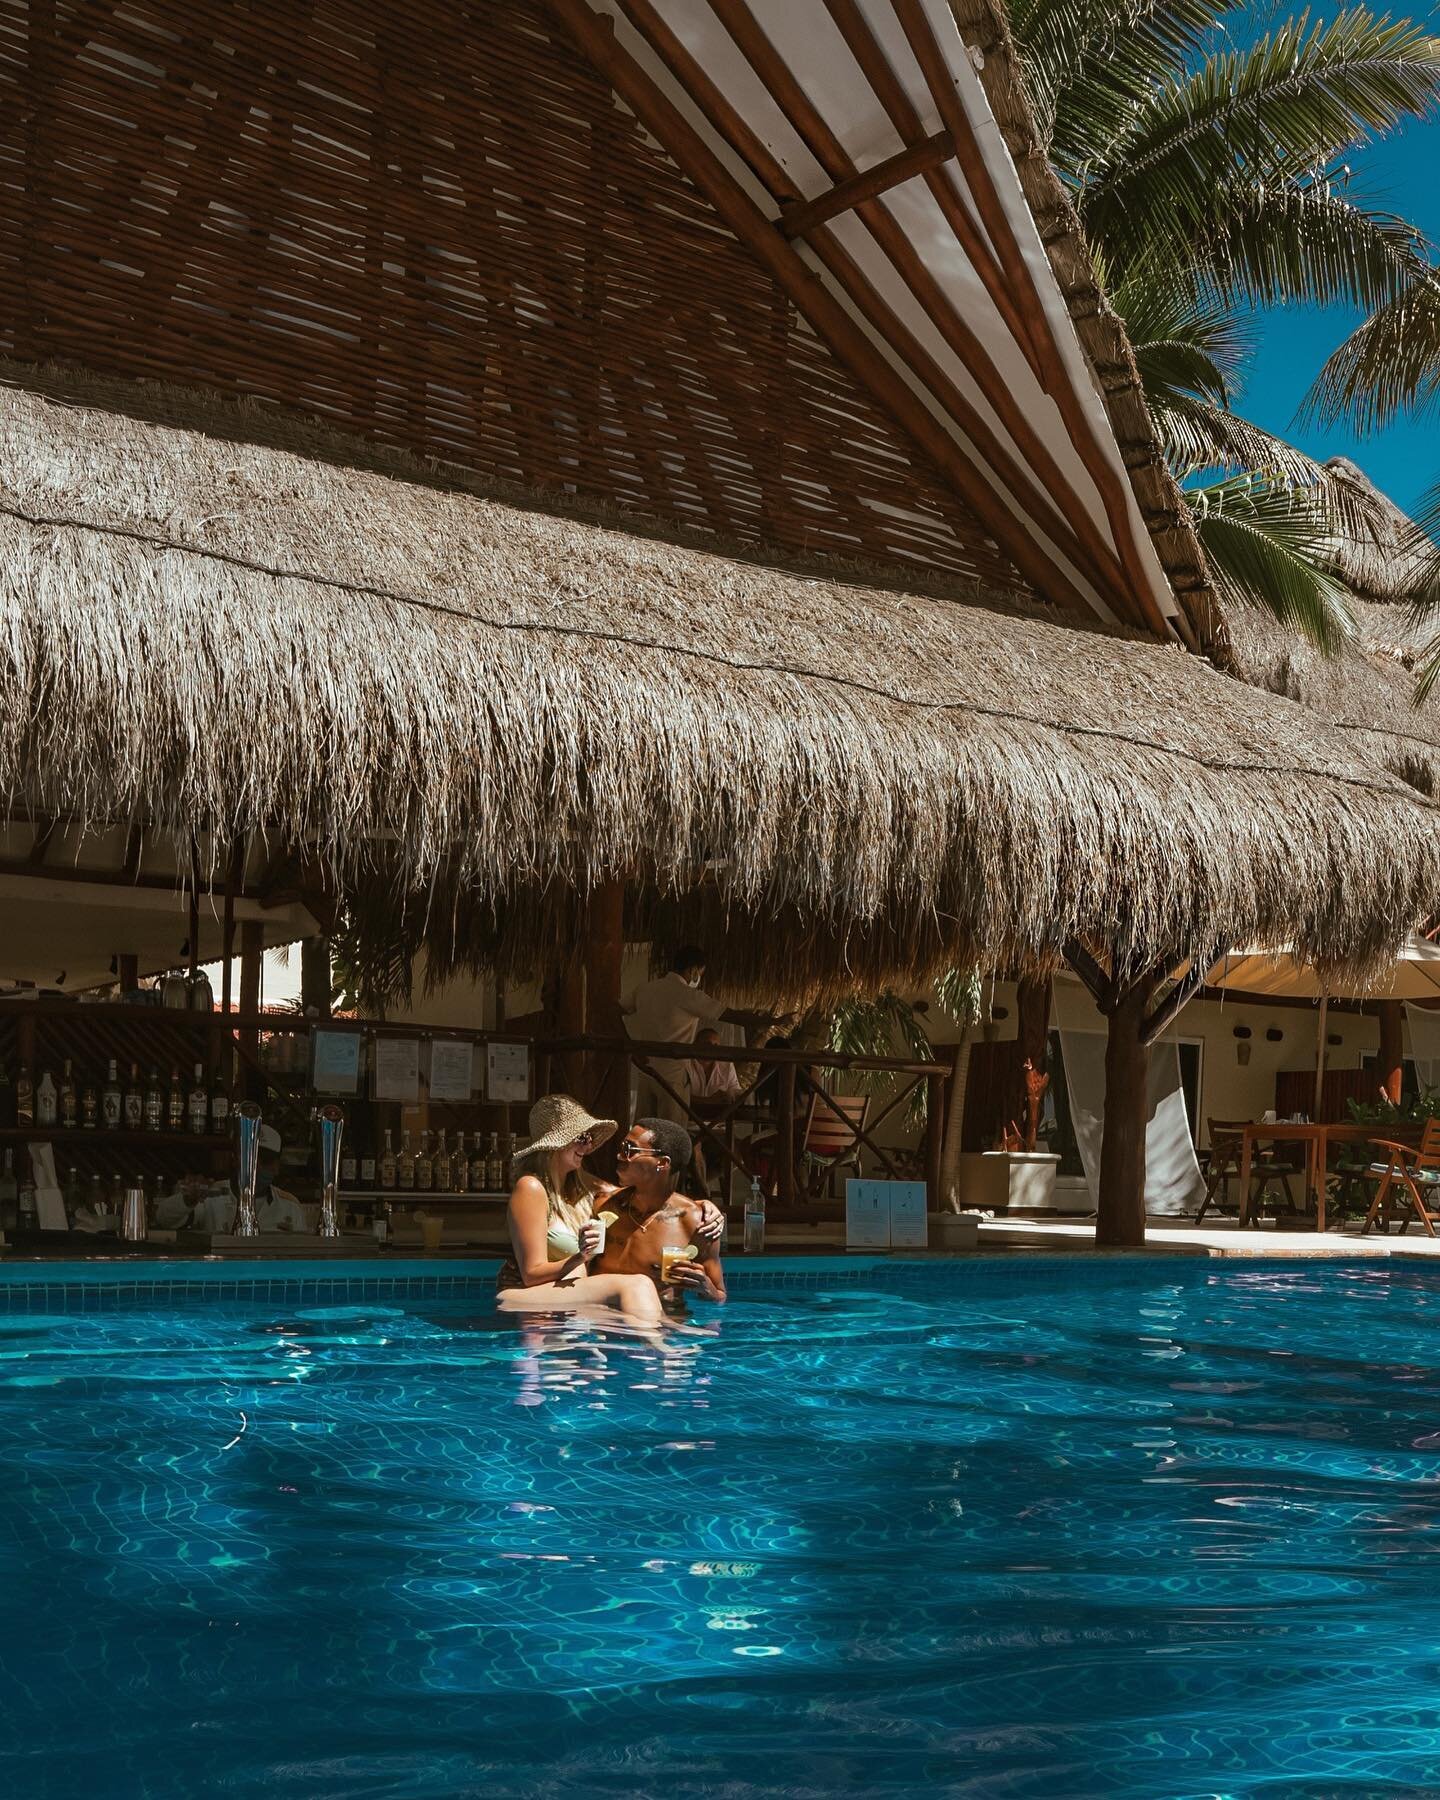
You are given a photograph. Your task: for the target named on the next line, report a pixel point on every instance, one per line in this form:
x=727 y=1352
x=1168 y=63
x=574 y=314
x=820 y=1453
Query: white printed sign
x=397 y=1069
x=885 y=1215
x=451 y=1069
x=507 y=1072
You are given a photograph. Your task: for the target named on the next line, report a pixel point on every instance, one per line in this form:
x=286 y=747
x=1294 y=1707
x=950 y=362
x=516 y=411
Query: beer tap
x=247 y=1117
x=332 y=1128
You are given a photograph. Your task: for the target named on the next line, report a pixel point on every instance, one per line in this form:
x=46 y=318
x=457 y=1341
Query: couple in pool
x=578 y=1241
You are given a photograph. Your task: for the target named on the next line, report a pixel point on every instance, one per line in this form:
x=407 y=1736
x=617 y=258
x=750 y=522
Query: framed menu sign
x=336 y=1057
x=452 y=1068
x=397 y=1069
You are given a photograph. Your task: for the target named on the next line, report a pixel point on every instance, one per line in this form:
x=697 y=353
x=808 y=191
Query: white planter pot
x=1008 y=1180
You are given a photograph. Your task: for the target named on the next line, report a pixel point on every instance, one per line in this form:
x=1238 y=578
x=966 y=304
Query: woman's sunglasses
x=585 y=1141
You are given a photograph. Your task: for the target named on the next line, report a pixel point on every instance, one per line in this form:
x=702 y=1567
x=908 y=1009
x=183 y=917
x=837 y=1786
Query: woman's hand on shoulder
x=709 y=1222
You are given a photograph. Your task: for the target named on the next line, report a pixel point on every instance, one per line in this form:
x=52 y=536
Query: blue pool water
x=1147 y=1528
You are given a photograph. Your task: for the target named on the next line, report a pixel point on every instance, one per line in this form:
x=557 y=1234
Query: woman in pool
x=553 y=1230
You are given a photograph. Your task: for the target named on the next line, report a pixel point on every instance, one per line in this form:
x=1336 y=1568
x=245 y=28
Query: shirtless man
x=652 y=1156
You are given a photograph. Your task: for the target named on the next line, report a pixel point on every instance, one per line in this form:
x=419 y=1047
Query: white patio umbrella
x=1413 y=975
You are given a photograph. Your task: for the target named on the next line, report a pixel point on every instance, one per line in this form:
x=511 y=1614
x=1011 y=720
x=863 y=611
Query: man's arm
x=703 y=1277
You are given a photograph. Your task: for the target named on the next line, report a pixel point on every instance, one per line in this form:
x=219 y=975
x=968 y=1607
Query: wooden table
x=1317 y=1139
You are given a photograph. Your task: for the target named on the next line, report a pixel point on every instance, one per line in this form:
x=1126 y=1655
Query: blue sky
x=1403 y=175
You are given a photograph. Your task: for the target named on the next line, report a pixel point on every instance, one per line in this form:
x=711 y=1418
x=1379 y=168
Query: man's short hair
x=688 y=956
x=671 y=1140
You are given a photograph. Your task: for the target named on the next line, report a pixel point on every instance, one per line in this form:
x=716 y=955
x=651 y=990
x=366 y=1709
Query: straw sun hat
x=556 y=1120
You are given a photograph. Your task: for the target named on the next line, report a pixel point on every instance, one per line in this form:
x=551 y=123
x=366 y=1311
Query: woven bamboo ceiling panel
x=437 y=227
x=767 y=270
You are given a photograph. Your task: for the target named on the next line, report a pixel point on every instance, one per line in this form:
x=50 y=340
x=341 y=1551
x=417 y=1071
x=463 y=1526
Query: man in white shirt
x=670 y=1010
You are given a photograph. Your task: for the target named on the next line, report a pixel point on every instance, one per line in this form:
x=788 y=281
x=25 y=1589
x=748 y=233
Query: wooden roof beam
x=801 y=219
x=834 y=324
x=1080 y=540
x=1114 y=490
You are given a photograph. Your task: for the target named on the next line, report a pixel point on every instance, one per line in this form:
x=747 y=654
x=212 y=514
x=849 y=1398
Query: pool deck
x=1222 y=1239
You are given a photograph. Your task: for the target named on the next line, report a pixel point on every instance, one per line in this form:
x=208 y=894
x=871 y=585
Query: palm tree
x=1211 y=178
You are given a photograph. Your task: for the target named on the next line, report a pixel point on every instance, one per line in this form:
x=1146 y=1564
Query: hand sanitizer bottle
x=754 y=1220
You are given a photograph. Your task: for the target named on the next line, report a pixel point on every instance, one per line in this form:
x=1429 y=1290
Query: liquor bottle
x=388 y=1175
x=24 y=1098
x=440 y=1175
x=349 y=1167
x=175 y=1106
x=134 y=1100
x=112 y=1101
x=69 y=1098
x=494 y=1166
x=154 y=1103
x=459 y=1166
x=28 y=1217
x=380 y=1221
x=369 y=1177
x=424 y=1166
x=477 y=1167
x=47 y=1099
x=405 y=1163
x=509 y=1161
x=89 y=1104
x=96 y=1196
x=9 y=1193
x=219 y=1107
x=71 y=1194
x=7 y=1098
x=199 y=1105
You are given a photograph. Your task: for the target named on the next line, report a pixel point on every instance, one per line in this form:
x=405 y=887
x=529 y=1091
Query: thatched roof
x=1367 y=689
x=503 y=705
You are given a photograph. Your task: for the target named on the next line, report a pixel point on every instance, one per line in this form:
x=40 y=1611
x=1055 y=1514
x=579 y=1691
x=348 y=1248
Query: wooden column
x=127 y=966
x=785 y=1147
x=935 y=1120
x=252 y=949
x=609 y=1071
x=316 y=981
x=1120 y=1215
x=564 y=994
x=1390 y=1065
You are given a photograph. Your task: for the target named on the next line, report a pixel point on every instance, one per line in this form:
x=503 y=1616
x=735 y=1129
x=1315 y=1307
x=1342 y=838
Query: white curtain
x=1174 y=1185
x=1424 y=1044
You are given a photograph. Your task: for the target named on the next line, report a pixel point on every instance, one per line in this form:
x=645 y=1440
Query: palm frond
x=1284 y=107
x=1269 y=546
x=1092 y=64
x=1388 y=366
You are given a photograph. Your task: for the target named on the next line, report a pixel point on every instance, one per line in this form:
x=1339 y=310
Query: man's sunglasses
x=627 y=1149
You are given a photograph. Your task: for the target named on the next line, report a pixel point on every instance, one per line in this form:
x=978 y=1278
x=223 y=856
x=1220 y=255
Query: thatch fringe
x=472 y=712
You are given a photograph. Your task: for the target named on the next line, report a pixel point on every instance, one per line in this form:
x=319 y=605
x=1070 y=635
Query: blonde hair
x=573 y=1203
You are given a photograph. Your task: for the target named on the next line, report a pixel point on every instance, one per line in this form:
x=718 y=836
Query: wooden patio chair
x=1265 y=1171
x=831 y=1141
x=1412 y=1172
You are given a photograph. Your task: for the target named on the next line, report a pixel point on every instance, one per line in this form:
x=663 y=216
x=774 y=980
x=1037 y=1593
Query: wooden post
x=1390 y=1065
x=128 y=966
x=935 y=1121
x=1321 y=1030
x=316 y=981
x=604 y=953
x=785 y=1148
x=564 y=999
x=1120 y=1215
x=252 y=948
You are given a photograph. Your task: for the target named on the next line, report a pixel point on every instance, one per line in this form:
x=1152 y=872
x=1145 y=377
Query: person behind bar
x=655 y=1220
x=669 y=1010
x=554 y=1233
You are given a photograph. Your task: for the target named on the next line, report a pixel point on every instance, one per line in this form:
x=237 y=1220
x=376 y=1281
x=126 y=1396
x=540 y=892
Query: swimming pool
x=1144 y=1527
